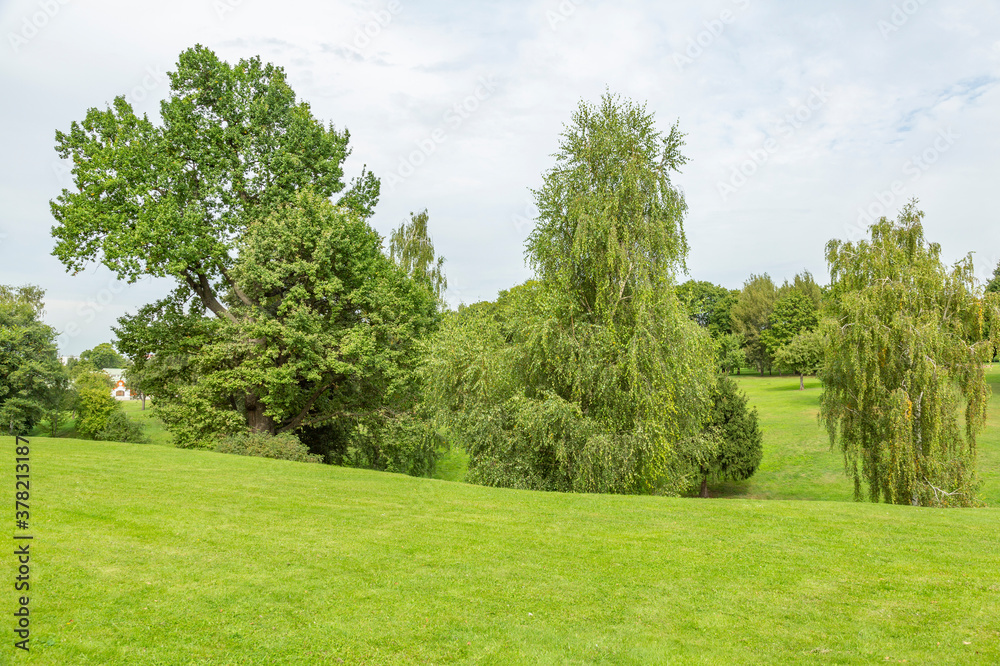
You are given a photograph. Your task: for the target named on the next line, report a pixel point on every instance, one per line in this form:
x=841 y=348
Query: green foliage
x=805 y=284
x=905 y=357
x=709 y=305
x=31 y=378
x=729 y=352
x=993 y=286
x=793 y=313
x=730 y=444
x=411 y=248
x=610 y=221
x=802 y=355
x=751 y=316
x=103 y=356
x=95 y=408
x=329 y=332
x=407 y=444
x=586 y=379
x=120 y=428
x=284 y=446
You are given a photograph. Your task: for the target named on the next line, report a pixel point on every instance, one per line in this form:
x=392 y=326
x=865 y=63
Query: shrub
x=285 y=446
x=94 y=409
x=120 y=428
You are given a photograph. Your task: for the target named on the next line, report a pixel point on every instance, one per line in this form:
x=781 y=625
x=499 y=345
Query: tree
x=792 y=314
x=802 y=355
x=993 y=286
x=805 y=284
x=286 y=315
x=31 y=377
x=904 y=359
x=587 y=378
x=411 y=248
x=103 y=356
x=730 y=444
x=330 y=334
x=708 y=305
x=751 y=317
x=730 y=352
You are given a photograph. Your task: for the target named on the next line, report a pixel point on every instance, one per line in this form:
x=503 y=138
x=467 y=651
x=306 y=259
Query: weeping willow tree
x=904 y=385
x=411 y=248
x=589 y=377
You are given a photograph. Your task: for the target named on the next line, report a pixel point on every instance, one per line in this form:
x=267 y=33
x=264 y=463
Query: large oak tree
x=286 y=314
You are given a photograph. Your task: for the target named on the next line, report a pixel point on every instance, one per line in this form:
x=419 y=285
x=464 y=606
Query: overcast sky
x=801 y=118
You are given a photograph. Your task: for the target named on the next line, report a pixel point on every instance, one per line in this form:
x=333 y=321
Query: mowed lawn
x=798 y=462
x=154 y=555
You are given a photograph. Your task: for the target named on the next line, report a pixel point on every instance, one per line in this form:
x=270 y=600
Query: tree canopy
x=904 y=385
x=751 y=316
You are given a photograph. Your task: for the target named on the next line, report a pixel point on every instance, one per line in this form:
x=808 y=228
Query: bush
x=120 y=428
x=95 y=407
x=285 y=446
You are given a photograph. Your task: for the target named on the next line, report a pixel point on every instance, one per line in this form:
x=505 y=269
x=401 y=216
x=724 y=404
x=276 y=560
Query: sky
x=804 y=122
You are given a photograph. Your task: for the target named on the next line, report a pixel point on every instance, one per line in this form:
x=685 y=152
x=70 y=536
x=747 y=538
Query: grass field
x=146 y=554
x=154 y=555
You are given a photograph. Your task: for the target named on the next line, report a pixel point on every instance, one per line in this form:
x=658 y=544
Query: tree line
x=601 y=374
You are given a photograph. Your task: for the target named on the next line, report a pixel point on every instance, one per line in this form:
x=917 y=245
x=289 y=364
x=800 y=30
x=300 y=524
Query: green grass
x=155 y=555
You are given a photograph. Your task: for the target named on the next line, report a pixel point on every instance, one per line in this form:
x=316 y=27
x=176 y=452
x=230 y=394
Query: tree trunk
x=802 y=383
x=256 y=418
x=704 y=486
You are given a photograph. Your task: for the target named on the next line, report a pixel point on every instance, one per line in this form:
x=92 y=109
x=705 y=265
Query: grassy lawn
x=154 y=555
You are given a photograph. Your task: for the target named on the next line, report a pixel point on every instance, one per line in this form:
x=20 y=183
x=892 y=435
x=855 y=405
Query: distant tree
x=904 y=387
x=802 y=355
x=751 y=317
x=31 y=376
x=720 y=321
x=703 y=301
x=730 y=352
x=993 y=286
x=730 y=445
x=103 y=356
x=805 y=284
x=95 y=407
x=793 y=313
x=411 y=248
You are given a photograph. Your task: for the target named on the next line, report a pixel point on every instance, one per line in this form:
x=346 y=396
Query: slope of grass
x=154 y=555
